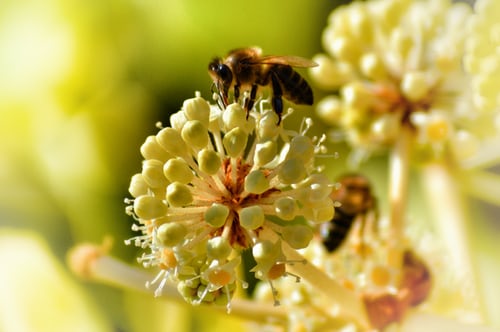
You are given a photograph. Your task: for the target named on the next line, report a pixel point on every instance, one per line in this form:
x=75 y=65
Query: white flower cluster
x=212 y=185
x=398 y=64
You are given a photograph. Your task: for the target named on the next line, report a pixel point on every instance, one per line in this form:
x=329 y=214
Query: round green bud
x=187 y=292
x=345 y=49
x=330 y=110
x=171 y=234
x=216 y=215
x=286 y=208
x=330 y=74
x=209 y=161
x=152 y=172
x=414 y=85
x=178 y=194
x=268 y=128
x=292 y=171
x=218 y=248
x=320 y=212
x=297 y=236
x=356 y=96
x=319 y=188
x=234 y=116
x=138 y=186
x=265 y=152
x=301 y=147
x=372 y=66
x=235 y=142
x=256 y=182
x=177 y=170
x=150 y=149
x=197 y=109
x=171 y=140
x=149 y=207
x=178 y=120
x=195 y=134
x=251 y=217
x=265 y=252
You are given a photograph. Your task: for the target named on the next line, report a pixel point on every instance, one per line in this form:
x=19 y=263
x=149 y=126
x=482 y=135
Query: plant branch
x=450 y=222
x=91 y=263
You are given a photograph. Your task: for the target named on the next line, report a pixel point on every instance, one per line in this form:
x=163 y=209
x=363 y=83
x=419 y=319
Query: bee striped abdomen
x=335 y=232
x=295 y=87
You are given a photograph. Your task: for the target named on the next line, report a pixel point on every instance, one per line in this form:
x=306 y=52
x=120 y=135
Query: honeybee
x=246 y=68
x=353 y=199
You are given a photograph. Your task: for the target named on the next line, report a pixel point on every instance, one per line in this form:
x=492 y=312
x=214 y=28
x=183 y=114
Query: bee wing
x=289 y=60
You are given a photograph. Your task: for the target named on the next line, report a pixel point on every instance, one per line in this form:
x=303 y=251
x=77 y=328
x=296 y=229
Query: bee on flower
x=214 y=184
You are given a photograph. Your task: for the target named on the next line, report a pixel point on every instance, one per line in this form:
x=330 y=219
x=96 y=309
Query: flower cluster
x=397 y=65
x=216 y=183
x=482 y=58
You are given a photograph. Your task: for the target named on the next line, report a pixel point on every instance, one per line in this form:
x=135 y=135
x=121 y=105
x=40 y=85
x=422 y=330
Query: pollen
x=276 y=271
x=168 y=260
x=219 y=277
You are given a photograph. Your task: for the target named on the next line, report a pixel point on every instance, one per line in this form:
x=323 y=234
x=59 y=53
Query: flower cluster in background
x=395 y=65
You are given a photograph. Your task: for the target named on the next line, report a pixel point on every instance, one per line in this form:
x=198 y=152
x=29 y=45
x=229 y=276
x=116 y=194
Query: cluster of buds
x=216 y=183
x=397 y=65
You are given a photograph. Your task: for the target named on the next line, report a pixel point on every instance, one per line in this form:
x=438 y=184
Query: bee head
x=220 y=72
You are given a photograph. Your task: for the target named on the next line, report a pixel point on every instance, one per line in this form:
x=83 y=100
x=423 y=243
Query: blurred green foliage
x=82 y=84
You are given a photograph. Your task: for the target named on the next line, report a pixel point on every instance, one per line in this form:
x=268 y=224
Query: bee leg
x=249 y=102
x=277 y=101
x=221 y=100
x=236 y=93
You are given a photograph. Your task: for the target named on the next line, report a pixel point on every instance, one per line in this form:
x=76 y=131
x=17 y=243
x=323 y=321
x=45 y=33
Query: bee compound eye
x=225 y=73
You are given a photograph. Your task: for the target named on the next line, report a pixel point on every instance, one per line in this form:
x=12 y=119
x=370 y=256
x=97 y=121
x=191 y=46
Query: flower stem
x=399 y=169
x=350 y=305
x=450 y=221
x=91 y=263
x=398 y=184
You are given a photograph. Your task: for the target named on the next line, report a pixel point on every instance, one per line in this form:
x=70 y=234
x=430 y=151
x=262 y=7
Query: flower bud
x=235 y=142
x=297 y=236
x=209 y=161
x=171 y=140
x=138 y=186
x=265 y=152
x=177 y=170
x=256 y=182
x=195 y=134
x=197 y=109
x=171 y=234
x=414 y=86
x=218 y=248
x=286 y=208
x=178 y=194
x=292 y=171
x=149 y=207
x=234 y=116
x=150 y=149
x=216 y=215
x=152 y=173
x=252 y=217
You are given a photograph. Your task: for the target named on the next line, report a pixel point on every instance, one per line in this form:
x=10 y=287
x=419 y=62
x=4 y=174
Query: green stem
x=99 y=267
x=398 y=184
x=449 y=216
x=349 y=304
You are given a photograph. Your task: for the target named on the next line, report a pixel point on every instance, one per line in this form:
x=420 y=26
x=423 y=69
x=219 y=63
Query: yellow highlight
x=276 y=271
x=219 y=277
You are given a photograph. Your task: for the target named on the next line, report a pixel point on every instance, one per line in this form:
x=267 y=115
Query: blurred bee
x=246 y=68
x=353 y=199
